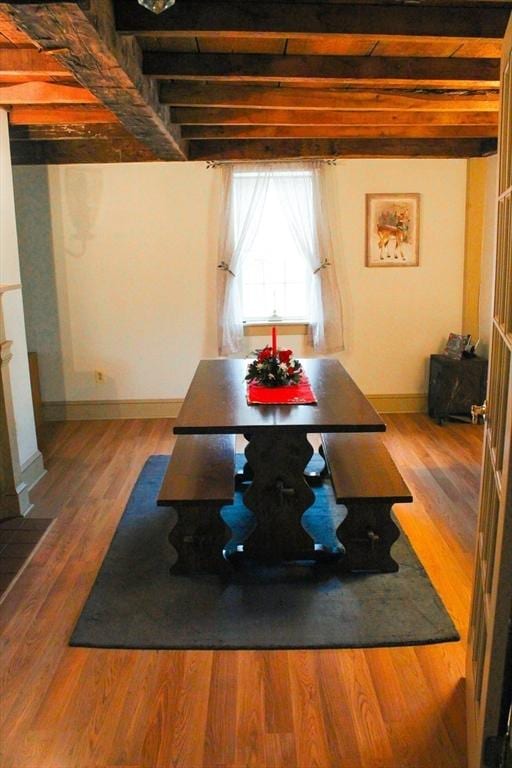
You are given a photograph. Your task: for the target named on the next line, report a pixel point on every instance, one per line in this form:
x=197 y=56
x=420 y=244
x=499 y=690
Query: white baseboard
x=86 y=410
x=33 y=470
x=17 y=501
x=399 y=403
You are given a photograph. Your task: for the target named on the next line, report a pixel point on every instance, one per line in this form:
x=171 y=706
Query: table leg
x=278 y=495
x=316 y=477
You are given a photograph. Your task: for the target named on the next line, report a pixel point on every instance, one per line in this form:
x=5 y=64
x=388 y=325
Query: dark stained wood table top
x=216 y=403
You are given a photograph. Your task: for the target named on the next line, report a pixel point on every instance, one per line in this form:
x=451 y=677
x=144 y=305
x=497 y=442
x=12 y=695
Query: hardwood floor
x=85 y=708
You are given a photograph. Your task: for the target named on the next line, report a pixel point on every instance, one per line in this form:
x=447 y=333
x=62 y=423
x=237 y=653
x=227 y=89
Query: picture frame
x=457 y=345
x=392 y=229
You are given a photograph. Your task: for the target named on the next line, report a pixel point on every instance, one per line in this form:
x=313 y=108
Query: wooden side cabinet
x=455 y=385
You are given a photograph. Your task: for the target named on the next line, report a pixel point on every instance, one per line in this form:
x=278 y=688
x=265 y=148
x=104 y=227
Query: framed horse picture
x=392 y=230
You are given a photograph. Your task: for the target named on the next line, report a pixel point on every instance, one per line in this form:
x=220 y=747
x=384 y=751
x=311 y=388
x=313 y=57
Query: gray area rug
x=136 y=603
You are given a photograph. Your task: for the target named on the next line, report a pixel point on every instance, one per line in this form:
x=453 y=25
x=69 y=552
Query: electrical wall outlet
x=99 y=378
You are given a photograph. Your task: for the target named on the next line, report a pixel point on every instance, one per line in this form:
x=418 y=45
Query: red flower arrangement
x=274 y=368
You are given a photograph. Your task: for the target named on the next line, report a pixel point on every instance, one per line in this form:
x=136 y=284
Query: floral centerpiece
x=274 y=368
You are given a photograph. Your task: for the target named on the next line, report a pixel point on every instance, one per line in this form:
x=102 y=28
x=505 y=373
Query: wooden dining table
x=278 y=450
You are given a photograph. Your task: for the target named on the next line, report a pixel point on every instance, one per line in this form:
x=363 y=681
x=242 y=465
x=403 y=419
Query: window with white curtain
x=276 y=258
x=275 y=276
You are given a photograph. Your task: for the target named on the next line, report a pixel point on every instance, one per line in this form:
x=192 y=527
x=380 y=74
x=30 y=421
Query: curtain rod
x=217 y=163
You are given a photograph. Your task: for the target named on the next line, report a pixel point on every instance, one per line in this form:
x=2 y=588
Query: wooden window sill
x=284 y=329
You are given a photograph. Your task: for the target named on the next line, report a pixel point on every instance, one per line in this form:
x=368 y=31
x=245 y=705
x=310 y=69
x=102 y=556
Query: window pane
x=275 y=278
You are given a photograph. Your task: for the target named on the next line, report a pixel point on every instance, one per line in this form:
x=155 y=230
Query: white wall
x=11 y=311
x=125 y=283
x=488 y=254
x=124 y=279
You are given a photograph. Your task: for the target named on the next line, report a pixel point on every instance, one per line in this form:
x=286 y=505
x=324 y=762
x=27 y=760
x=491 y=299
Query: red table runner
x=293 y=394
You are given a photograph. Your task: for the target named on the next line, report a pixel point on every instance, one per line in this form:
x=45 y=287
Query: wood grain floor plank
x=250 y=721
x=191 y=715
x=155 y=677
x=84 y=713
x=426 y=734
x=156 y=730
x=276 y=691
x=444 y=673
x=311 y=740
x=98 y=735
x=371 y=732
x=393 y=705
x=280 y=750
x=336 y=708
x=220 y=740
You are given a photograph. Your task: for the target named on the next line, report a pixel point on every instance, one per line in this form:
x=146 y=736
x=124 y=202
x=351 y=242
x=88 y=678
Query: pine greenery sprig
x=274 y=370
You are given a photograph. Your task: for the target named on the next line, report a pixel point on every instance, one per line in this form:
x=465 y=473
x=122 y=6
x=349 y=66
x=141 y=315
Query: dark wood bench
x=199 y=481
x=366 y=480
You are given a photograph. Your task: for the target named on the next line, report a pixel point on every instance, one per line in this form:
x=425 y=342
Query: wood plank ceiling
x=217 y=80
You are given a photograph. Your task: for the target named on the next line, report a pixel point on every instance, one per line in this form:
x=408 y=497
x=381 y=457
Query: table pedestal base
x=278 y=496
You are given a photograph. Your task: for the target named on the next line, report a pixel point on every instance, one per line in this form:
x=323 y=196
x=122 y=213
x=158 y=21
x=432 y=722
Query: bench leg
x=367 y=533
x=199 y=537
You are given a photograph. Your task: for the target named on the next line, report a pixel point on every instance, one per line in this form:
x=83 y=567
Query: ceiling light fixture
x=157 y=6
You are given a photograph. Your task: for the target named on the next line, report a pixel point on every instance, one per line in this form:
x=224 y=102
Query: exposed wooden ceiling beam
x=55 y=115
x=105 y=64
x=85 y=151
x=250 y=116
x=192 y=94
x=11 y=36
x=29 y=62
x=67 y=132
x=45 y=93
x=271 y=19
x=324 y=70
x=325 y=148
x=338 y=131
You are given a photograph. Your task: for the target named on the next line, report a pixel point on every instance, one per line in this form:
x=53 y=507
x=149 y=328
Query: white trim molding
x=86 y=410
x=412 y=403
x=33 y=470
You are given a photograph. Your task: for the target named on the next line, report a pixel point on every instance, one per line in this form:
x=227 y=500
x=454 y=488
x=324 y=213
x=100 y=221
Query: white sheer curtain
x=308 y=218
x=241 y=210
